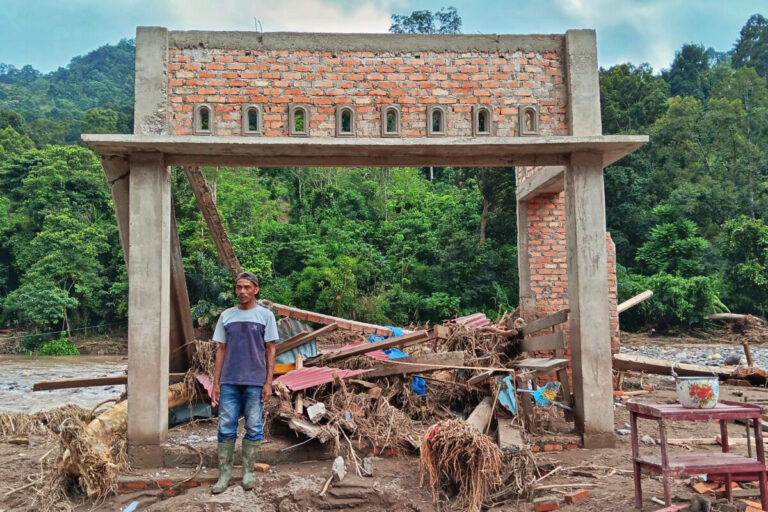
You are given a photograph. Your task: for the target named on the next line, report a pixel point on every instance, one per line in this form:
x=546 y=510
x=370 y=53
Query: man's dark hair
x=249 y=276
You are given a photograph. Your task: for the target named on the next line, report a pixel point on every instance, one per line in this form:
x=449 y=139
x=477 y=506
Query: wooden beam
x=318 y=318
x=548 y=321
x=212 y=219
x=181 y=336
x=634 y=301
x=631 y=362
x=93 y=382
x=302 y=338
x=402 y=366
x=482 y=413
x=400 y=341
x=554 y=341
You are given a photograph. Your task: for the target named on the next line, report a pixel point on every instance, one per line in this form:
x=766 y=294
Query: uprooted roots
x=22 y=424
x=458 y=452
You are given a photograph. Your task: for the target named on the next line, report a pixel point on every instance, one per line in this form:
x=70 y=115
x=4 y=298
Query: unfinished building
x=282 y=99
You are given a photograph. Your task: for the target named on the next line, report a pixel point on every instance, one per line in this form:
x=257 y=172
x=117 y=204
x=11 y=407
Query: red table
x=724 y=465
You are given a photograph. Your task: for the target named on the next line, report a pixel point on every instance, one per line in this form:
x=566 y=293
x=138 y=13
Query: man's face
x=245 y=291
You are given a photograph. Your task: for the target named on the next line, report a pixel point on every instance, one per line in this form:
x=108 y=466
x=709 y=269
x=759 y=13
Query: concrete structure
x=193 y=89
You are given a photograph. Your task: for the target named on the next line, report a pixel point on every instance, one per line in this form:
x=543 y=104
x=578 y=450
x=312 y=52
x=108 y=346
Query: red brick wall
x=228 y=79
x=547 y=259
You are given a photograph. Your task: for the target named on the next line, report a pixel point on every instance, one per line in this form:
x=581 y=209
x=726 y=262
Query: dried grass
x=456 y=452
x=482 y=348
x=22 y=424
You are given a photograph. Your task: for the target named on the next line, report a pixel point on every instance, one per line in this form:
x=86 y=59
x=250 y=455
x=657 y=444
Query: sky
x=48 y=33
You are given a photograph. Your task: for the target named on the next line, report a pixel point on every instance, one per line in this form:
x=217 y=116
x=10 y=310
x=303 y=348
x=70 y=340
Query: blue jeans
x=234 y=401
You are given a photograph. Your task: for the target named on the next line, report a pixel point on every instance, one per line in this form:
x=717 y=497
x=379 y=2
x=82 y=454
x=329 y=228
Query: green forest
x=688 y=212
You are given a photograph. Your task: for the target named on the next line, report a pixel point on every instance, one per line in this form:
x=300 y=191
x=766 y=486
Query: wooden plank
x=93 y=382
x=637 y=363
x=549 y=321
x=482 y=413
x=344 y=324
x=210 y=213
x=541 y=364
x=400 y=341
x=396 y=367
x=553 y=341
x=302 y=338
x=634 y=301
x=181 y=334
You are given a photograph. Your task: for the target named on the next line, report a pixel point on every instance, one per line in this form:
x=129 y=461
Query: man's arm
x=221 y=349
x=269 y=349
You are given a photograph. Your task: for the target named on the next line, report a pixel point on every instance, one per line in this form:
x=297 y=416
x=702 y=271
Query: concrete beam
x=547 y=180
x=404 y=43
x=588 y=299
x=332 y=151
x=149 y=299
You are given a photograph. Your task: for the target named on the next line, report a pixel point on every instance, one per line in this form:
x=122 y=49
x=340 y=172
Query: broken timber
x=302 y=338
x=309 y=316
x=634 y=301
x=93 y=382
x=409 y=364
x=482 y=414
x=400 y=341
x=548 y=321
x=212 y=219
x=631 y=362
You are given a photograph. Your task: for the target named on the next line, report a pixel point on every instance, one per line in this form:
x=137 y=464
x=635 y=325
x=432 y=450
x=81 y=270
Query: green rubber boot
x=226 y=453
x=249 y=457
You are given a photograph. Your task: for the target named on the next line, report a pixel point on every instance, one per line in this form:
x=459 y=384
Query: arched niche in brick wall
x=346 y=122
x=203 y=119
x=390 y=121
x=252 y=120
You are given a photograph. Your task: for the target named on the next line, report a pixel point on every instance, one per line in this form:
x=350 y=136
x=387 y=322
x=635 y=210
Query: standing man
x=245 y=360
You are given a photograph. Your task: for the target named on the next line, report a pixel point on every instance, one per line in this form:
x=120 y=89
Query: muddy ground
x=396 y=487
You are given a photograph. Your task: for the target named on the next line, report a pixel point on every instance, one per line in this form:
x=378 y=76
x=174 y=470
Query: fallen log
x=395 y=367
x=97 y=438
x=728 y=317
x=634 y=301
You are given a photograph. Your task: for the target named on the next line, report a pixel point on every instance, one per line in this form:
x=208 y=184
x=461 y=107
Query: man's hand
x=266 y=392
x=215 y=395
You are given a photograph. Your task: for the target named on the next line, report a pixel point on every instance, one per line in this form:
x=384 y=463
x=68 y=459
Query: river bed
x=19 y=373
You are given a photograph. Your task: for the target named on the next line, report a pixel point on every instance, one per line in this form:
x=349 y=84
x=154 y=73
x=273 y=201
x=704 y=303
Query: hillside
x=688 y=212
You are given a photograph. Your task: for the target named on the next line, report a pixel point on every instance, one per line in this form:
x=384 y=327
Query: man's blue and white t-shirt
x=245 y=331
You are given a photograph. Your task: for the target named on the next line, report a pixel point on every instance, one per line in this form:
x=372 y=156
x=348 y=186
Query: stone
x=316 y=412
x=623 y=431
x=368 y=466
x=646 y=439
x=338 y=469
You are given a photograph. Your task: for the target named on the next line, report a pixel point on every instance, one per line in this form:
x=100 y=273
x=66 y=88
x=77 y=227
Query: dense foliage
x=688 y=212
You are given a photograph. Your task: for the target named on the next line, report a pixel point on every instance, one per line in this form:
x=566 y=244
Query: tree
x=631 y=98
x=444 y=21
x=674 y=247
x=752 y=47
x=745 y=248
x=686 y=76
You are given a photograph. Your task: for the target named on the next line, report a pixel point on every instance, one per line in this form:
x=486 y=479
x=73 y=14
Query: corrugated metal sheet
x=376 y=354
x=287 y=328
x=474 y=320
x=314 y=376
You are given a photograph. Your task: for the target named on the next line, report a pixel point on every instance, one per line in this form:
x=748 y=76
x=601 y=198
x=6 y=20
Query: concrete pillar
x=588 y=299
x=148 y=305
x=587 y=257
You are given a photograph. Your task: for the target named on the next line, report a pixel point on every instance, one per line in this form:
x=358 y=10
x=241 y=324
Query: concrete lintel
x=588 y=297
x=400 y=43
x=148 y=299
x=332 y=151
x=547 y=180
x=151 y=82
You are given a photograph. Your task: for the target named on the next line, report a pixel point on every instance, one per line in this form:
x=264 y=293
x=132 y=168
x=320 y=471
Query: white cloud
x=649 y=21
x=290 y=15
